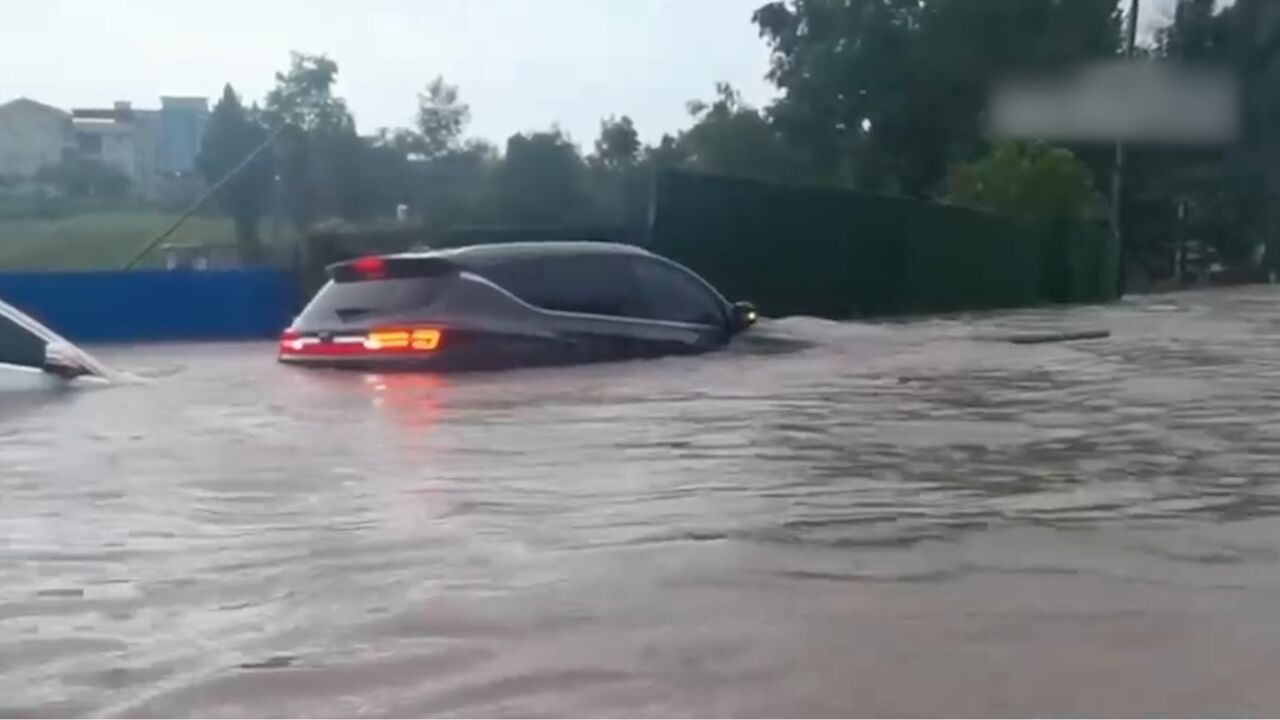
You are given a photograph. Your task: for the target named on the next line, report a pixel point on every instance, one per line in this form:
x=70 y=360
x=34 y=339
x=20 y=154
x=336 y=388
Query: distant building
x=114 y=138
x=149 y=146
x=182 y=124
x=32 y=135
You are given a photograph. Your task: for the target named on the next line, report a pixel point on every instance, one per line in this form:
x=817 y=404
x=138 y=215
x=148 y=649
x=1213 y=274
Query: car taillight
x=412 y=339
x=290 y=340
x=371 y=267
x=382 y=341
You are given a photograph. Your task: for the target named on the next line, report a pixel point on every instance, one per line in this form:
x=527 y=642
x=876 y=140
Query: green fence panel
x=827 y=252
x=835 y=253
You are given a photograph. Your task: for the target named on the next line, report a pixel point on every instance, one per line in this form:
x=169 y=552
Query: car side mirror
x=742 y=316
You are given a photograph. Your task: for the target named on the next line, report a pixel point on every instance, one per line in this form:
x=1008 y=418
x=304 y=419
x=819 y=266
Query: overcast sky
x=520 y=64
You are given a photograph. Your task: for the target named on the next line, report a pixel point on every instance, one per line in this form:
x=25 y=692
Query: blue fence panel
x=155 y=305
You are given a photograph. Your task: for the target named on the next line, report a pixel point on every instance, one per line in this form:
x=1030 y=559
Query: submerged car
x=33 y=357
x=490 y=307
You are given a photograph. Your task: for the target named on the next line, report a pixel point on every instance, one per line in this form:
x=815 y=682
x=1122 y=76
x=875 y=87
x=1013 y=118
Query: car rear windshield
x=18 y=346
x=354 y=302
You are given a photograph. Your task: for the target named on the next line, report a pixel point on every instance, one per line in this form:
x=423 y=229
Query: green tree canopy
x=441 y=119
x=619 y=175
x=1197 y=33
x=1227 y=194
x=888 y=94
x=320 y=157
x=619 y=144
x=85 y=179
x=541 y=180
x=451 y=188
x=303 y=96
x=1031 y=181
x=733 y=138
x=232 y=135
x=667 y=153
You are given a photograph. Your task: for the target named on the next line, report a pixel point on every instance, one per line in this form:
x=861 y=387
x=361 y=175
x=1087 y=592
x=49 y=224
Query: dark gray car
x=510 y=305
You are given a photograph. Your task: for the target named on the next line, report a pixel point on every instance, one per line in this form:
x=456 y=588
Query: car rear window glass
x=596 y=285
x=18 y=346
x=351 y=302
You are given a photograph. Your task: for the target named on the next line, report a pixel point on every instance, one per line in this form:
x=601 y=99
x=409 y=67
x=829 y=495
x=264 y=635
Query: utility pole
x=1117 y=176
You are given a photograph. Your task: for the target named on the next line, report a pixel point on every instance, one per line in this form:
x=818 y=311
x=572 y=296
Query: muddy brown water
x=828 y=519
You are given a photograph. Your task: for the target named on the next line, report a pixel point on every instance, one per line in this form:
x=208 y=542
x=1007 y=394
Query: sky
x=520 y=64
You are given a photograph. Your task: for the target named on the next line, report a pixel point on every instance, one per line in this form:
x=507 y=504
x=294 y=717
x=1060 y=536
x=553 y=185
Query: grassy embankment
x=100 y=240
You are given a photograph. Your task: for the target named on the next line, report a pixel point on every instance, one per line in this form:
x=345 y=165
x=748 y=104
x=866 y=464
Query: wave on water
x=800 y=333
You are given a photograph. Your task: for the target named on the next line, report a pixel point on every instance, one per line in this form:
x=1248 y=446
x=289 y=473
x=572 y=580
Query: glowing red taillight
x=288 y=337
x=402 y=339
x=384 y=341
x=372 y=267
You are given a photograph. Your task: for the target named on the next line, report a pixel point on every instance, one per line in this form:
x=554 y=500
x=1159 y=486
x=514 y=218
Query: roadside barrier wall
x=122 y=307
x=835 y=253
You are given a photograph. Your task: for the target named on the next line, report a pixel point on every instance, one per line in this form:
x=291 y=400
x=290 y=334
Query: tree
x=541 y=180
x=1197 y=33
x=447 y=175
x=318 y=149
x=667 y=153
x=451 y=188
x=619 y=144
x=1256 y=159
x=1031 y=181
x=340 y=164
x=85 y=179
x=619 y=178
x=231 y=136
x=303 y=96
x=888 y=94
x=441 y=119
x=732 y=138
x=1227 y=195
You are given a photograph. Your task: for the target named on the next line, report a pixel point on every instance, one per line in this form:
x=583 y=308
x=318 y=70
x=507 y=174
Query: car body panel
x=23 y=378
x=33 y=357
x=484 y=325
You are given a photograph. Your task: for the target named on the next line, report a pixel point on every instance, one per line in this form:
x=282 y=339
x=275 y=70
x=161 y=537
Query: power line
x=204 y=198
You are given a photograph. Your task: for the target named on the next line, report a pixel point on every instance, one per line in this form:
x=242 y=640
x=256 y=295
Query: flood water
x=828 y=519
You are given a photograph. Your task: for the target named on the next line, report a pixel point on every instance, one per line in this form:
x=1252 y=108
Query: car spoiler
x=390 y=267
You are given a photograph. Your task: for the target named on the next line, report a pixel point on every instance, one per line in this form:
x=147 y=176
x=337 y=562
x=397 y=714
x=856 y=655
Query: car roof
x=496 y=252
